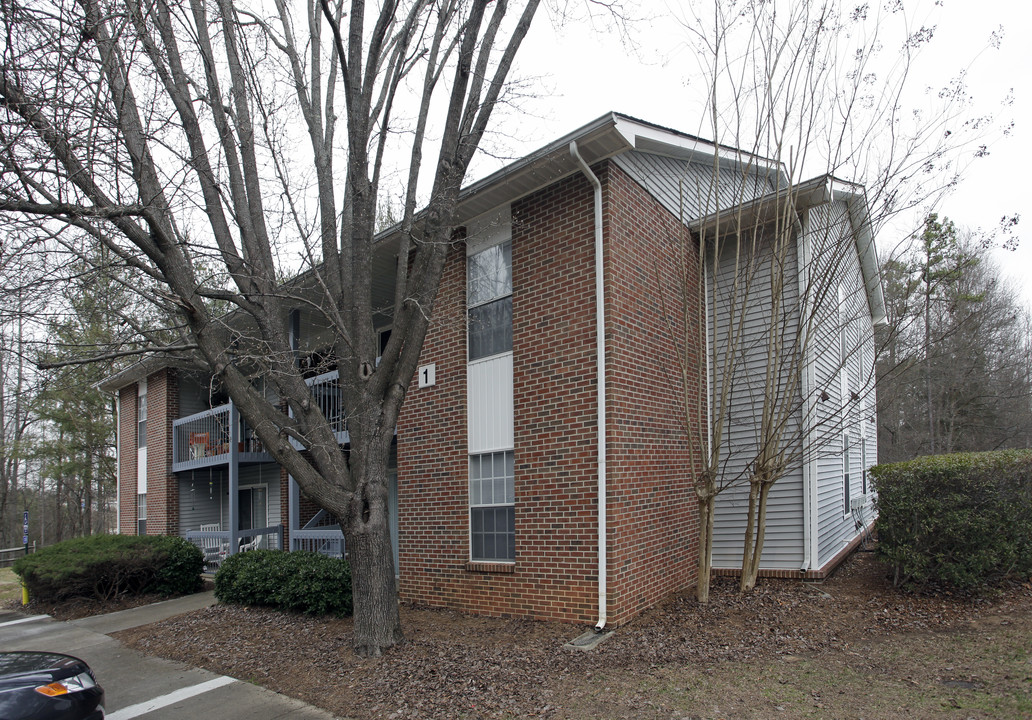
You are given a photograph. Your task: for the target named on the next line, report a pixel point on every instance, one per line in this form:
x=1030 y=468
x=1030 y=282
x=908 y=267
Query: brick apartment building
x=520 y=489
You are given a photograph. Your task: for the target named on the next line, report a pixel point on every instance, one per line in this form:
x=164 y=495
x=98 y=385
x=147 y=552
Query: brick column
x=127 y=456
x=162 y=484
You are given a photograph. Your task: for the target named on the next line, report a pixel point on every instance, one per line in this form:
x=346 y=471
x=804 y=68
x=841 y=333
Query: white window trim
x=470 y=506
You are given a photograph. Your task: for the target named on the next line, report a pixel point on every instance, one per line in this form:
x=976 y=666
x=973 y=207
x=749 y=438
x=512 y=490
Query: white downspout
x=118 y=462
x=600 y=359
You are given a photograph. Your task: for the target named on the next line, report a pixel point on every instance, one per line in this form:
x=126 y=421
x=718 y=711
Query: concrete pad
x=589 y=640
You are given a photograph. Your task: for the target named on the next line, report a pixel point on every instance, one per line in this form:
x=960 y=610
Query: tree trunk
x=377 y=620
x=702 y=585
x=751 y=571
x=750 y=525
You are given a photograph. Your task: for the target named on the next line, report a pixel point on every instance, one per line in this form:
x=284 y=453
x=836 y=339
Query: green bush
x=300 y=581
x=962 y=521
x=106 y=567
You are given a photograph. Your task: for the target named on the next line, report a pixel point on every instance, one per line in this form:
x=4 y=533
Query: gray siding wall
x=843 y=326
x=783 y=548
x=689 y=190
x=204 y=495
x=193 y=394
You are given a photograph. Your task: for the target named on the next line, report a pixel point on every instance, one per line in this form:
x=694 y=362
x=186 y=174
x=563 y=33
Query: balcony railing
x=203 y=440
x=326 y=391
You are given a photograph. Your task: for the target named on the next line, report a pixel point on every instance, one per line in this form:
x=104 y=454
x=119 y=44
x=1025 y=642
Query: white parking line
x=23 y=620
x=165 y=700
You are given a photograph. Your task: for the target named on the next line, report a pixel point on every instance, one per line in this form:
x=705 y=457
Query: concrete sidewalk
x=146 y=614
x=137 y=685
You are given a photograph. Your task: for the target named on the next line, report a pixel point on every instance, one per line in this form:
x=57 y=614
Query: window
x=141 y=420
x=141 y=514
x=845 y=472
x=492 y=514
x=489 y=299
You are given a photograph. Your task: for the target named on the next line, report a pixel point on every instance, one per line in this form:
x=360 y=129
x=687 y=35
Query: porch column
x=293 y=494
x=234 y=479
x=293 y=512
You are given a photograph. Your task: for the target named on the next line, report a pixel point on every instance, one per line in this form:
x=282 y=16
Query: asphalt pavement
x=140 y=686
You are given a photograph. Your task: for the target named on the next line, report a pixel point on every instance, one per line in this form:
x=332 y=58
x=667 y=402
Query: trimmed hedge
x=299 y=581
x=962 y=521
x=108 y=566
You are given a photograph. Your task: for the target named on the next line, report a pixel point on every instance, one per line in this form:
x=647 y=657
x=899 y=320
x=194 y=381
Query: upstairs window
x=141 y=420
x=489 y=301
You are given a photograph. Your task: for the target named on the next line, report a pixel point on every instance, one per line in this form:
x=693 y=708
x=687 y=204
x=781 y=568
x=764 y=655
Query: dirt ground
x=852 y=647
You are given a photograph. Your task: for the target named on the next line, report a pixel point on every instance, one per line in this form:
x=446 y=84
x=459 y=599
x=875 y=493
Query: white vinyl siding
x=141 y=431
x=783 y=548
x=844 y=324
x=489 y=404
x=688 y=189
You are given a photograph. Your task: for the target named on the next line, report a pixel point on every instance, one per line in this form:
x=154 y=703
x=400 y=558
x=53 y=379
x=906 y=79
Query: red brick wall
x=652 y=533
x=653 y=547
x=433 y=535
x=162 y=486
x=127 y=457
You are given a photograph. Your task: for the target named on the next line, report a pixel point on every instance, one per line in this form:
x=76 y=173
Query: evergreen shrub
x=960 y=521
x=299 y=581
x=106 y=567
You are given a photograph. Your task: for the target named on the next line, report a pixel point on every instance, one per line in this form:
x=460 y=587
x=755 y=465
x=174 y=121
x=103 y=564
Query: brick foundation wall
x=127 y=458
x=652 y=537
x=162 y=485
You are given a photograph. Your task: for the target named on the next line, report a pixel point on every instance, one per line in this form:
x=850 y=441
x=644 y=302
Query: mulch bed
x=455 y=665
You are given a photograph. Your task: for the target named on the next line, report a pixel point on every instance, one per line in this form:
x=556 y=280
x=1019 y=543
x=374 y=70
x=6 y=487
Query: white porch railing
x=217 y=545
x=321 y=534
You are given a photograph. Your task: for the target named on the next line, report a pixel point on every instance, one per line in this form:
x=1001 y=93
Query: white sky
x=581 y=73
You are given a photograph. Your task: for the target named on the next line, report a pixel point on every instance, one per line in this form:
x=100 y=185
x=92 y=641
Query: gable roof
x=663 y=160
x=821 y=190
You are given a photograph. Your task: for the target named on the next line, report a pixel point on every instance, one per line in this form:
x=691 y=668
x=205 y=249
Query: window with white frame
x=492 y=513
x=141 y=514
x=863 y=464
x=141 y=418
x=489 y=299
x=845 y=473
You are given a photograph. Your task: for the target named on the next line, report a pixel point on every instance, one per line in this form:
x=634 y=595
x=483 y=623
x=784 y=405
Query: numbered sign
x=427 y=375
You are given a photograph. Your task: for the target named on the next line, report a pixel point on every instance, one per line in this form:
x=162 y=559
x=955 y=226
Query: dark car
x=48 y=686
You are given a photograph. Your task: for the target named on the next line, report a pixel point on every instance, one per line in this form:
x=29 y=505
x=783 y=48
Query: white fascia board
x=661 y=141
x=860 y=219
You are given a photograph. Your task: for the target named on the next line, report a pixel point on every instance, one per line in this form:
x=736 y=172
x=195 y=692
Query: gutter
x=600 y=359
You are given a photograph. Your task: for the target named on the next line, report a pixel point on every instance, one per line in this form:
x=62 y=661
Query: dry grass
x=10 y=587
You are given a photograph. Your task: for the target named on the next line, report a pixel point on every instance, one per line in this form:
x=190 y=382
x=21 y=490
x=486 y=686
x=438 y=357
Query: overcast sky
x=581 y=72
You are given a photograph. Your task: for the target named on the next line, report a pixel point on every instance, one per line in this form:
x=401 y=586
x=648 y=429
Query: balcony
x=205 y=440
x=326 y=391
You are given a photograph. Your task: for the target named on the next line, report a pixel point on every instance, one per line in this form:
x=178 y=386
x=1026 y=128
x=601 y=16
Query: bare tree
x=797 y=90
x=208 y=144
